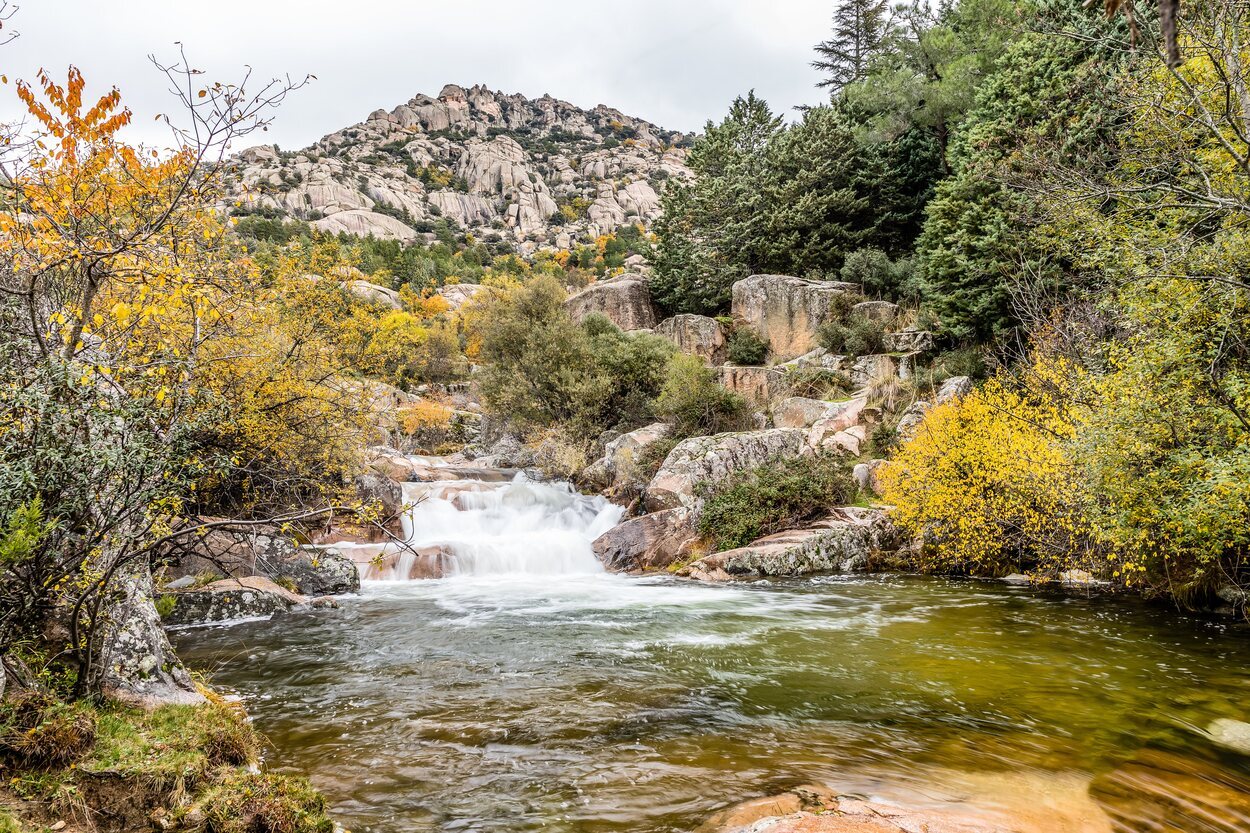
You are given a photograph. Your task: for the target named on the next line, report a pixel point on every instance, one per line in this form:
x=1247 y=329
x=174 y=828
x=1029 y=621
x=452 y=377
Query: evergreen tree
x=859 y=27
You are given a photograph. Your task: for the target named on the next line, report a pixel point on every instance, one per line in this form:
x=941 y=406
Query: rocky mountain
x=535 y=172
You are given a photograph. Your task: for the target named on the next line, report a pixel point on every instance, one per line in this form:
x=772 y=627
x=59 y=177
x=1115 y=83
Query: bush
x=746 y=348
x=246 y=802
x=695 y=403
x=860 y=336
x=880 y=277
x=635 y=367
x=774 y=497
x=988 y=484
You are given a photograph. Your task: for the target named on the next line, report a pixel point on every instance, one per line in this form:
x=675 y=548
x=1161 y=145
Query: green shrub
x=883 y=439
x=634 y=366
x=860 y=336
x=881 y=277
x=746 y=348
x=695 y=403
x=768 y=499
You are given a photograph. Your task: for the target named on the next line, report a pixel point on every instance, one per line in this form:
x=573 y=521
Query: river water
x=530 y=690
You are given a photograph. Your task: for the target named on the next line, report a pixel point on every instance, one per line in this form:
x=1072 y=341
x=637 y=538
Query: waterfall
x=478 y=527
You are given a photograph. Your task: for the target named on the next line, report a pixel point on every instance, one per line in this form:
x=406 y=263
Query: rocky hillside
x=535 y=172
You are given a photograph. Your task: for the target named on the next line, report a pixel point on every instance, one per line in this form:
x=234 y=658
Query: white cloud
x=672 y=62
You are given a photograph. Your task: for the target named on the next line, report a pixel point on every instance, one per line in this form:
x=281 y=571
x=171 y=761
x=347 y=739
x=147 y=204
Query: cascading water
x=476 y=527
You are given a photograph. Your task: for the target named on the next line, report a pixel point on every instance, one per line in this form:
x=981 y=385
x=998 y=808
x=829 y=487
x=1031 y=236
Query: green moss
x=9 y=824
x=242 y=802
x=171 y=742
x=165 y=604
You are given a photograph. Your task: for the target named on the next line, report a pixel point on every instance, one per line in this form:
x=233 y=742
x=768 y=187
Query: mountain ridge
x=533 y=173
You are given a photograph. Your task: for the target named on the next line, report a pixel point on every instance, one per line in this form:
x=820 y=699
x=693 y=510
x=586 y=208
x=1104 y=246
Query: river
x=530 y=690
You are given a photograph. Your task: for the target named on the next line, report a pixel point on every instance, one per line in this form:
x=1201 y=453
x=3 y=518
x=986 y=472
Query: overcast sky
x=674 y=62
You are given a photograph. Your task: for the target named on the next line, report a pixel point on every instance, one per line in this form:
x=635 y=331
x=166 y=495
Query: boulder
x=371 y=293
x=909 y=341
x=697 y=335
x=843 y=542
x=317 y=571
x=365 y=223
x=393 y=563
x=799 y=412
x=230 y=600
x=390 y=463
x=263 y=551
x=625 y=300
x=911 y=419
x=709 y=460
x=883 y=312
x=787 y=311
x=137 y=663
x=818 y=358
x=383 y=490
x=650 y=542
x=956 y=387
x=458 y=294
x=757 y=384
x=847 y=441
x=619 y=464
x=868 y=369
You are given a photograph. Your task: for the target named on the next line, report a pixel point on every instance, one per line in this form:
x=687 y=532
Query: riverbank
x=116 y=769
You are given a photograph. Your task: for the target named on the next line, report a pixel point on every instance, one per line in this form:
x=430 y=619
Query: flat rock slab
x=230 y=599
x=843 y=542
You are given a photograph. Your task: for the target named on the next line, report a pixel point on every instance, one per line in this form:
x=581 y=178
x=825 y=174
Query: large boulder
x=883 y=312
x=650 y=542
x=262 y=551
x=371 y=293
x=787 y=311
x=625 y=300
x=909 y=341
x=843 y=542
x=800 y=412
x=230 y=600
x=697 y=335
x=710 y=460
x=954 y=388
x=365 y=223
x=757 y=384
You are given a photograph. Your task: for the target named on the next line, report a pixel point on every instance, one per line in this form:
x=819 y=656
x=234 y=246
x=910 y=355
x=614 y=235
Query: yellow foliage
x=423 y=415
x=986 y=482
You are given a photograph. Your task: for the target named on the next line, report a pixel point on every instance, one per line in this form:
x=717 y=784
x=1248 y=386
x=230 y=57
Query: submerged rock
x=1165 y=792
x=844 y=542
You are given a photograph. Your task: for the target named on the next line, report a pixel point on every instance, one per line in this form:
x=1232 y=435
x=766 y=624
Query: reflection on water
x=590 y=702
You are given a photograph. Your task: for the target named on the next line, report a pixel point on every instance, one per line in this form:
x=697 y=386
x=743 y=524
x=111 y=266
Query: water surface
x=580 y=701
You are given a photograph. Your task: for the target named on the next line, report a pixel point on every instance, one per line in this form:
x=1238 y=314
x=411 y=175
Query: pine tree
x=859 y=27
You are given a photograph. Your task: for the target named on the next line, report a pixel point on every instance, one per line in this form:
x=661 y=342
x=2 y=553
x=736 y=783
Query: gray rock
x=1231 y=734
x=786 y=311
x=862 y=475
x=710 y=460
x=458 y=294
x=909 y=341
x=650 y=542
x=956 y=387
x=317 y=571
x=883 y=312
x=846 y=541
x=230 y=600
x=378 y=488
x=625 y=300
x=697 y=335
x=799 y=412
x=759 y=385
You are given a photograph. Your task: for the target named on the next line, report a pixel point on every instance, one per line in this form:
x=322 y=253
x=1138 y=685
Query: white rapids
x=476 y=527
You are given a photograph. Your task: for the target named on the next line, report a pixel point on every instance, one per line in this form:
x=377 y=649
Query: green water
x=598 y=703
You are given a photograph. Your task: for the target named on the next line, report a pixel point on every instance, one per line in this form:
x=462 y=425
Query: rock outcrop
x=504 y=167
x=709 y=460
x=844 y=542
x=758 y=384
x=697 y=335
x=649 y=542
x=786 y=311
x=263 y=552
x=233 y=599
x=618 y=468
x=625 y=300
